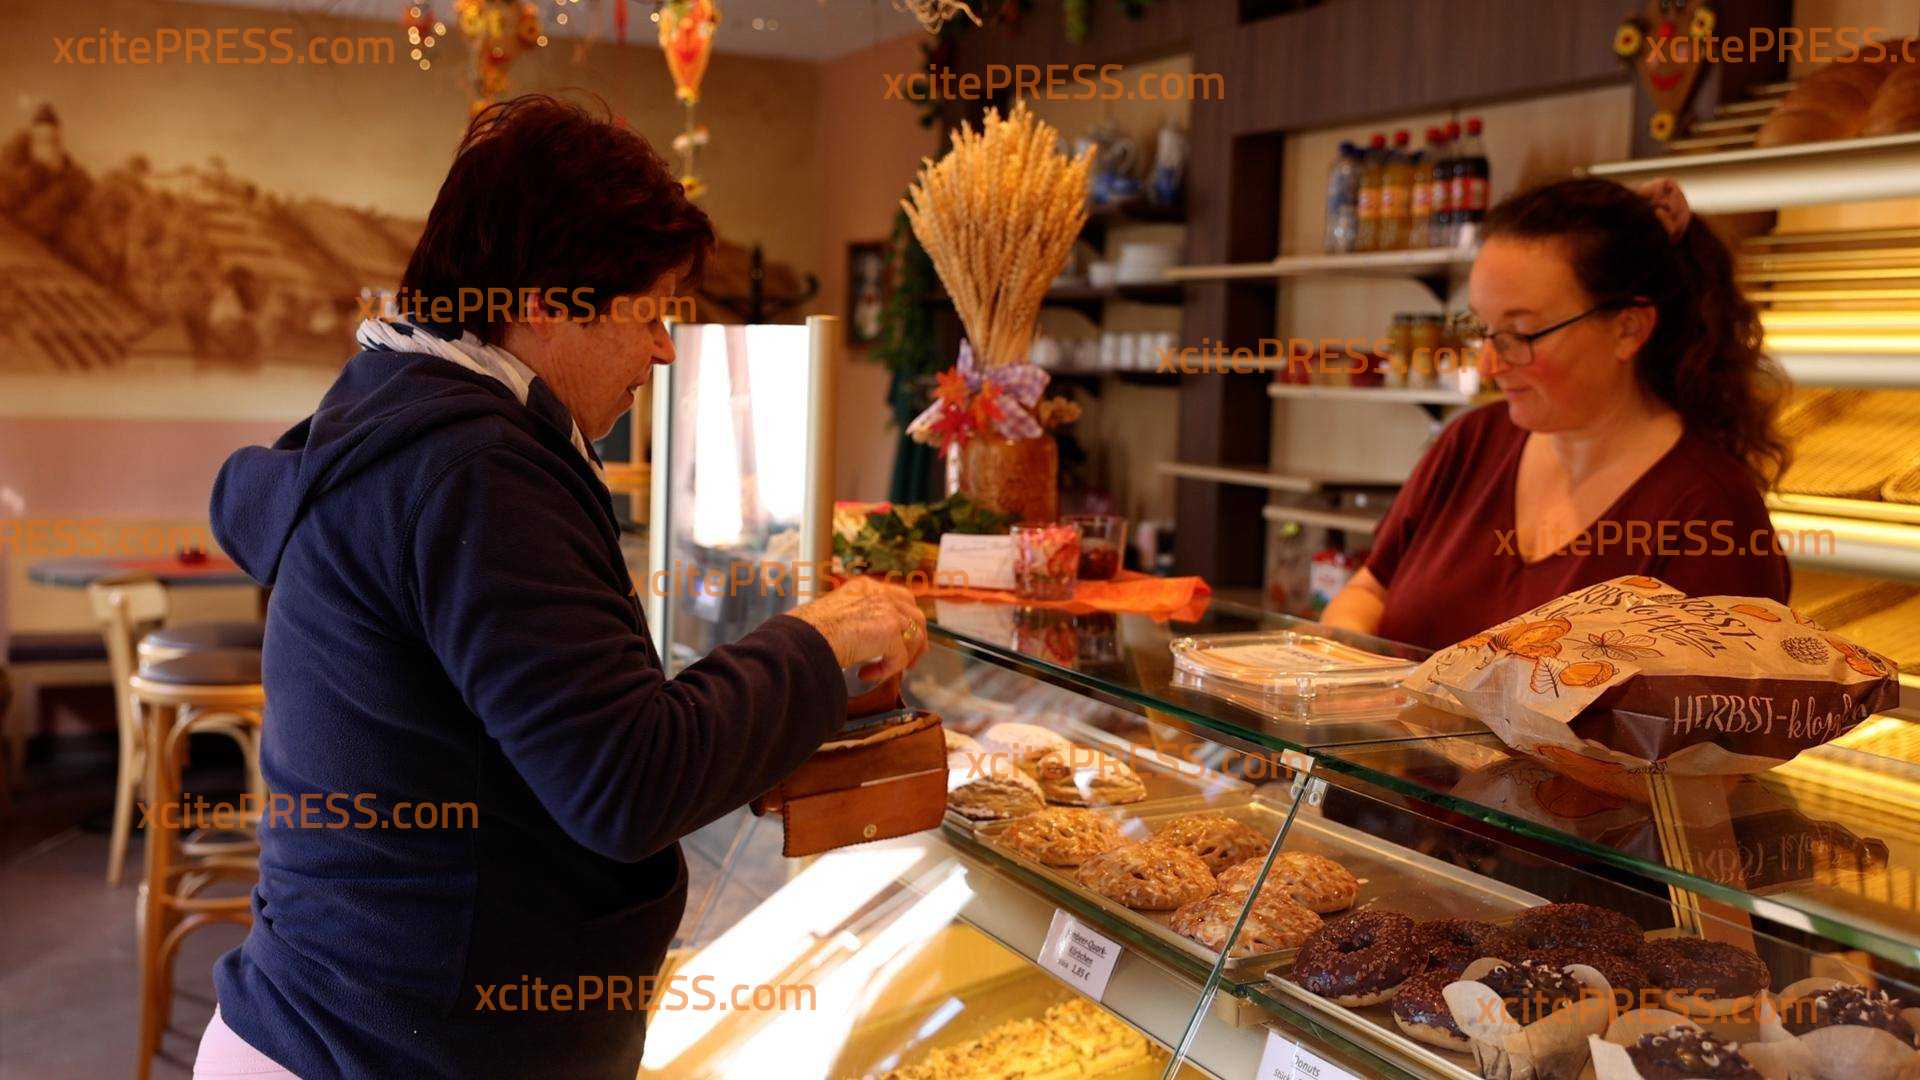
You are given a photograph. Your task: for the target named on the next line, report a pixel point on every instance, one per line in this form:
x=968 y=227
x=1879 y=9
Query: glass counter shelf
x=1827 y=844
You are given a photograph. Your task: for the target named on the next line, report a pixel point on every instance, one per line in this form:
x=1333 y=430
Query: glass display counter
x=942 y=954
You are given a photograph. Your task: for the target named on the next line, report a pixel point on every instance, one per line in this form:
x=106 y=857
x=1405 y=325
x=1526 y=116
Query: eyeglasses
x=1514 y=348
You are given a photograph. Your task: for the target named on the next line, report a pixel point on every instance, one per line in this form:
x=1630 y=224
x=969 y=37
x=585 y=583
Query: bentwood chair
x=206 y=690
x=130 y=610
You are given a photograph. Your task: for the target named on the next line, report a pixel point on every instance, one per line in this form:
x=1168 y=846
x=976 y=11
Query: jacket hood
x=382 y=403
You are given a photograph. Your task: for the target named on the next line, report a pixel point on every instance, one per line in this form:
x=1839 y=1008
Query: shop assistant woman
x=1636 y=435
x=452 y=622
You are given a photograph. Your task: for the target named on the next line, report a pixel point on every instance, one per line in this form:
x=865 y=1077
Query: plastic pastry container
x=1288 y=673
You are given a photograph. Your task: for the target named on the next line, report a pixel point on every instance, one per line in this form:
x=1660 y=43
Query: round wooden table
x=173 y=572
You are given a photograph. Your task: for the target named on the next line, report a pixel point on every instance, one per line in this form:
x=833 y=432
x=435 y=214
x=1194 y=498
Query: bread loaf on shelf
x=1896 y=108
x=1831 y=103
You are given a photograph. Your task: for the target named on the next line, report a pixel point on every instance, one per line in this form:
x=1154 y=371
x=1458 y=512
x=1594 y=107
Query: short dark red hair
x=544 y=194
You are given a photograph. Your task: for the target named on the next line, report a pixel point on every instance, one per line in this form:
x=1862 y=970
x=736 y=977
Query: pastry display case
x=1403 y=895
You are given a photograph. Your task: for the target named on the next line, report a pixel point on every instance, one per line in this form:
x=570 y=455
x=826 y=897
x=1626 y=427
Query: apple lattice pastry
x=1273 y=924
x=1217 y=839
x=1148 y=877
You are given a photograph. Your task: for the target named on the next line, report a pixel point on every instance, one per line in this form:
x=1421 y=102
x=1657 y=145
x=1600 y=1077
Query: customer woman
x=452 y=626
x=1636 y=436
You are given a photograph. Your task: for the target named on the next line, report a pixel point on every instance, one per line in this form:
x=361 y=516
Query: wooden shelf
x=1141 y=376
x=1326 y=519
x=1861 y=370
x=1138 y=211
x=1806 y=174
x=1418 y=263
x=1887 y=549
x=1251 y=476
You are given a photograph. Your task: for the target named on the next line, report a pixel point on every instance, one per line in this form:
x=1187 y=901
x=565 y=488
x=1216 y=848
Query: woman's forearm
x=1359 y=605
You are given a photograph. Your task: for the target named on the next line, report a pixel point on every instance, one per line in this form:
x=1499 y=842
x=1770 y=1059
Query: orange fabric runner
x=1181 y=598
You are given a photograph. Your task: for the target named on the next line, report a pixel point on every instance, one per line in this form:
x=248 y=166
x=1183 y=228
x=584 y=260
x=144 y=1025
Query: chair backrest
x=126 y=607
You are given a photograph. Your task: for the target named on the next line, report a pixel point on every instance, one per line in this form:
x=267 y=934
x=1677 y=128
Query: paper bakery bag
x=1611 y=680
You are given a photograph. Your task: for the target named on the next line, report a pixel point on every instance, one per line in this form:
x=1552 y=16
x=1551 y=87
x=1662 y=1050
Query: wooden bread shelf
x=1805 y=174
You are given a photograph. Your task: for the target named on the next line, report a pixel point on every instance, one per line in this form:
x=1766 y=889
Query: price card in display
x=1308 y=1065
x=1276 y=1062
x=975 y=562
x=1078 y=956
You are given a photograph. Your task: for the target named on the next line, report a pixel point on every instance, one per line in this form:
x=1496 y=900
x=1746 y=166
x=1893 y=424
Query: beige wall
x=869 y=149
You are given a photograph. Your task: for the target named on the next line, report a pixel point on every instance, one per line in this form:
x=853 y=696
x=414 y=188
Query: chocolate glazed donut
x=1359 y=959
x=1451 y=944
x=1707 y=969
x=1626 y=977
x=1420 y=1008
x=1555 y=926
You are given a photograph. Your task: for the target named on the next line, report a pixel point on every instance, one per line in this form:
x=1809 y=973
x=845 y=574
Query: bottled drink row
x=1392 y=197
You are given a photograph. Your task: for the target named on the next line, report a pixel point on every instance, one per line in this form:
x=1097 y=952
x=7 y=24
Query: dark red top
x=1448 y=556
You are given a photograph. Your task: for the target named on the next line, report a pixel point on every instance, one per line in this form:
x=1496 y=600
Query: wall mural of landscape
x=187 y=263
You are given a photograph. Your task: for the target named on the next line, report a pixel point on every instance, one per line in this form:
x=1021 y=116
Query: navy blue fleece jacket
x=451 y=622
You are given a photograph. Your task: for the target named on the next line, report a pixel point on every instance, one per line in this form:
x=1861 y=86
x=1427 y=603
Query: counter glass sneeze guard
x=1854 y=803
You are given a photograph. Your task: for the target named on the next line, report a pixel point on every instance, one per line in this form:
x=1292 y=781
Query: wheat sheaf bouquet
x=999 y=215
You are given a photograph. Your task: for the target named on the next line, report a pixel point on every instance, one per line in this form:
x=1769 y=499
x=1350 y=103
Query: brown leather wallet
x=875 y=782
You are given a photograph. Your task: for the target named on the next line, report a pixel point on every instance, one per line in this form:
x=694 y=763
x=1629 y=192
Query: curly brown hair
x=1704 y=357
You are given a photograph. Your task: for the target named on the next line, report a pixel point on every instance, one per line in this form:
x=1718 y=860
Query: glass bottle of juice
x=1372 y=168
x=1441 y=228
x=1343 y=195
x=1470 y=185
x=1420 y=208
x=1396 y=194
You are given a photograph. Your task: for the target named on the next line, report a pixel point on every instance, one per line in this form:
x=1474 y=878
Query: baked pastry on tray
x=1148 y=877
x=1104 y=1042
x=1020 y=1050
x=985 y=787
x=1219 y=840
x=1024 y=744
x=1082 y=776
x=1315 y=882
x=1274 y=923
x=1062 y=836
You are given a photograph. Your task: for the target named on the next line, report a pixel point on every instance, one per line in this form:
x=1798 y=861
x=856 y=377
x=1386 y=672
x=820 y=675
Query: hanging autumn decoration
x=686 y=38
x=423 y=33
x=933 y=14
x=500 y=31
x=1666 y=42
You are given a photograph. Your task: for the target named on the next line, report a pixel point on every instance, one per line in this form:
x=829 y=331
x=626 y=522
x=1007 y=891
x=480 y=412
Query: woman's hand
x=866 y=620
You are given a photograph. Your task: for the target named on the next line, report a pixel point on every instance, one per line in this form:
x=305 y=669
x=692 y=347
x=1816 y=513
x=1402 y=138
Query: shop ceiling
x=794 y=29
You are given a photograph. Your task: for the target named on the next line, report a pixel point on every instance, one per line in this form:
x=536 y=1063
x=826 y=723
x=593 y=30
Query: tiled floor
x=69 y=981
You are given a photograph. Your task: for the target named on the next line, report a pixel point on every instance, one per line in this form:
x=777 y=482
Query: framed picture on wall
x=867 y=290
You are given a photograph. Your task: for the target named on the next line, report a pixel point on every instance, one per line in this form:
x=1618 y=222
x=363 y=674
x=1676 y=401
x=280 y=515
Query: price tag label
x=975 y=562
x=1078 y=956
x=1276 y=1063
x=1308 y=1065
